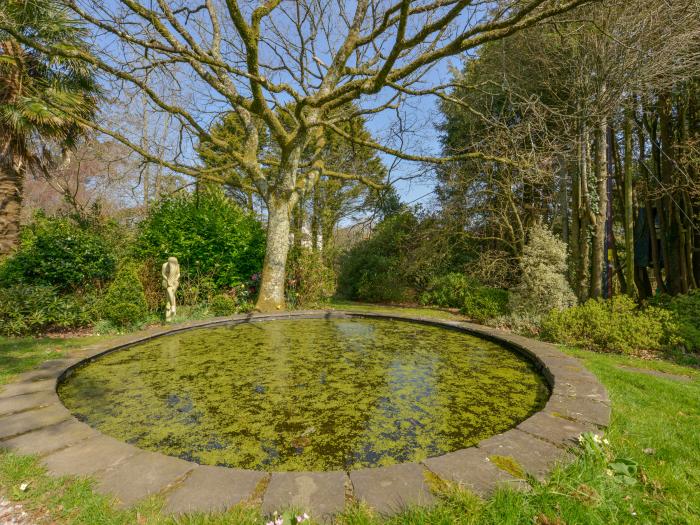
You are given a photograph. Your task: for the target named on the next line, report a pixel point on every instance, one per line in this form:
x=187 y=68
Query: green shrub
x=456 y=290
x=400 y=259
x=124 y=304
x=686 y=310
x=375 y=269
x=311 y=280
x=209 y=234
x=485 y=303
x=222 y=305
x=381 y=281
x=449 y=290
x=195 y=289
x=617 y=325
x=60 y=252
x=35 y=309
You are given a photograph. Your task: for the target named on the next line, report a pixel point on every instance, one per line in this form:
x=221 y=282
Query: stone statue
x=171 y=280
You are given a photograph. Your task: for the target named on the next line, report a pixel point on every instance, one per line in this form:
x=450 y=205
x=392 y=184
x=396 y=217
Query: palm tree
x=44 y=100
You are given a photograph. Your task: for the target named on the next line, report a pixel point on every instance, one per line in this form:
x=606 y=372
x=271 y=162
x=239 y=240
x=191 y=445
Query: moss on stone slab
x=508 y=464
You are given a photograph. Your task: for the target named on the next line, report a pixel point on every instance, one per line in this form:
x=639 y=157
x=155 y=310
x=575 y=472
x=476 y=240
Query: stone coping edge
x=33 y=420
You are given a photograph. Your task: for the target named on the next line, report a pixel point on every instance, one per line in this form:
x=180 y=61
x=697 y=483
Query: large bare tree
x=284 y=68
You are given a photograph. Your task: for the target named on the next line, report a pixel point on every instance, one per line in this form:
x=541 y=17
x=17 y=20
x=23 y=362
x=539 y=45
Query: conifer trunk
x=598 y=256
x=629 y=208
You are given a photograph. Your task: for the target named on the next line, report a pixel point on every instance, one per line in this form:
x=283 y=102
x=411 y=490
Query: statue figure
x=171 y=280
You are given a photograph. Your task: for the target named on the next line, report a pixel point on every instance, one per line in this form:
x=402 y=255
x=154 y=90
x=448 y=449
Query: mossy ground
x=655 y=423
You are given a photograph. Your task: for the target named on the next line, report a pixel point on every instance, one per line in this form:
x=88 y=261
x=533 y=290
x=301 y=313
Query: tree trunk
x=574 y=254
x=11 y=186
x=651 y=224
x=581 y=222
x=676 y=281
x=598 y=260
x=271 y=296
x=629 y=207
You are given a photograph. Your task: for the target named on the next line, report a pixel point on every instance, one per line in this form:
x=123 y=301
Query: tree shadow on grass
x=18 y=355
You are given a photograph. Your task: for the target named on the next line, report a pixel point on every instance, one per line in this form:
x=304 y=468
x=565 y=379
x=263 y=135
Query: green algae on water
x=311 y=394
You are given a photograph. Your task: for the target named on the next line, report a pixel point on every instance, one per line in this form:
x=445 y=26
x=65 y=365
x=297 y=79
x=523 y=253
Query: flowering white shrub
x=543 y=286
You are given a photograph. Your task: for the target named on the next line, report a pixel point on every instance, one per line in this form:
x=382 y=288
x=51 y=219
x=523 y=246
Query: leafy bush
x=62 y=253
x=375 y=268
x=397 y=261
x=33 y=309
x=542 y=286
x=474 y=300
x=402 y=257
x=617 y=325
x=222 y=305
x=448 y=290
x=124 y=304
x=311 y=280
x=686 y=310
x=485 y=303
x=195 y=289
x=381 y=281
x=209 y=234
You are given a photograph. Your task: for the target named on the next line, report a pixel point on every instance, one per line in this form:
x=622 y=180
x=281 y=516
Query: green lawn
x=656 y=424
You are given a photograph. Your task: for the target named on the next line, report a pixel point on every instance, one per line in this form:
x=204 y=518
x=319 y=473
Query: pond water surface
x=307 y=394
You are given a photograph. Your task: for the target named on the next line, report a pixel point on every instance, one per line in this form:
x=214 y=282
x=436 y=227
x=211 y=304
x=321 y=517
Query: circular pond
x=307 y=394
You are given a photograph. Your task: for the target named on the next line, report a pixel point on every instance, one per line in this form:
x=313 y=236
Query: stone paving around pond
x=34 y=421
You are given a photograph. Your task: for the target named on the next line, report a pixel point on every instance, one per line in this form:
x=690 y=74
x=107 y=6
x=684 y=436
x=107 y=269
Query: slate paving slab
x=472 y=469
x=555 y=429
x=14 y=404
x=27 y=387
x=574 y=386
x=320 y=494
x=584 y=410
x=48 y=372
x=140 y=476
x=535 y=456
x=89 y=456
x=50 y=439
x=16 y=424
x=209 y=488
x=390 y=489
